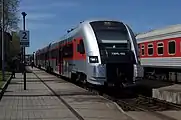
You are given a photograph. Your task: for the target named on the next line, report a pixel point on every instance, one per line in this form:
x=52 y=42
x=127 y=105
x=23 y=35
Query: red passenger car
x=160 y=50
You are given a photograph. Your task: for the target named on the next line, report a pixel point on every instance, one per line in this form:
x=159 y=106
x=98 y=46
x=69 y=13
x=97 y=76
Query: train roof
x=54 y=45
x=86 y=22
x=169 y=30
x=73 y=31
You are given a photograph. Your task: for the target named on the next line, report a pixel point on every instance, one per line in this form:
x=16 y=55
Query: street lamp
x=23 y=48
x=24 y=15
x=2 y=35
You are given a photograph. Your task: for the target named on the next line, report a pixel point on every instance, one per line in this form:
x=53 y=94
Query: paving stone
x=35 y=103
x=39 y=103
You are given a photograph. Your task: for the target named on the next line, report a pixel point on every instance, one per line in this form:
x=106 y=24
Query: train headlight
x=93 y=59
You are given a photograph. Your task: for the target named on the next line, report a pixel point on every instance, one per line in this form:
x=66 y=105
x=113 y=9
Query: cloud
x=36 y=26
x=65 y=4
x=40 y=16
x=150 y=26
x=37 y=20
x=46 y=5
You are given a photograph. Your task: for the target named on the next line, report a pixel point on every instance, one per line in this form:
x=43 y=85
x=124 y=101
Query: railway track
x=139 y=102
x=134 y=103
x=143 y=104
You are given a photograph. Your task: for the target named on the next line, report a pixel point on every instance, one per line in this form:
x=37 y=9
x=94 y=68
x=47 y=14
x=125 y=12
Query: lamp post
x=24 y=72
x=2 y=35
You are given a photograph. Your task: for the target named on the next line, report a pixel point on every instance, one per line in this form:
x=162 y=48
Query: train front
x=118 y=60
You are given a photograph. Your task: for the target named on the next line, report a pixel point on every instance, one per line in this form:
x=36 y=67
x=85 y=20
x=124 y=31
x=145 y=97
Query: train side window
x=56 y=57
x=53 y=53
x=60 y=53
x=80 y=47
x=160 y=48
x=142 y=50
x=68 y=50
x=171 y=47
x=180 y=46
x=150 y=49
x=51 y=56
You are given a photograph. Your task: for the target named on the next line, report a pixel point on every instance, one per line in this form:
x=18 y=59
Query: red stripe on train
x=165 y=51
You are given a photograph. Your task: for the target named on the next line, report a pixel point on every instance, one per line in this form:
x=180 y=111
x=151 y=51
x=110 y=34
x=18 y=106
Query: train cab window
x=171 y=47
x=150 y=49
x=142 y=50
x=160 y=48
x=80 y=47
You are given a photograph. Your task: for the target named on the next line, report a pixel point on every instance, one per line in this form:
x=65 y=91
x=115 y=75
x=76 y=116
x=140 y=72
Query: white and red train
x=160 y=50
x=96 y=51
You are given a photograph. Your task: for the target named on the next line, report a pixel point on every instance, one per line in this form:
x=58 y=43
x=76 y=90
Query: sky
x=48 y=20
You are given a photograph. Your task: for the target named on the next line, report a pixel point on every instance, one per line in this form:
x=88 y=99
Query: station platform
x=64 y=101
x=170 y=93
x=164 y=90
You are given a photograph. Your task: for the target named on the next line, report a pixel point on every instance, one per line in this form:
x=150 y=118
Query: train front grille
x=117 y=73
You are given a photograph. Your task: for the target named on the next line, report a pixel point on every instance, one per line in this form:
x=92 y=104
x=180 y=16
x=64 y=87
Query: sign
x=24 y=38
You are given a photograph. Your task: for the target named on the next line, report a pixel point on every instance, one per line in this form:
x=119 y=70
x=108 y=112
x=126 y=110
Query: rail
x=139 y=103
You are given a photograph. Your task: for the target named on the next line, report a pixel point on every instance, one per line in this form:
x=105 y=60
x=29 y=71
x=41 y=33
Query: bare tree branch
x=11 y=17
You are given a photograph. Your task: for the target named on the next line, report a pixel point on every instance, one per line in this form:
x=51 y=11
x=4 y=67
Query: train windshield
x=110 y=32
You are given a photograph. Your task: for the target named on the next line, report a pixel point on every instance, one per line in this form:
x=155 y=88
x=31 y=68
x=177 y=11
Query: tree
x=15 y=44
x=11 y=17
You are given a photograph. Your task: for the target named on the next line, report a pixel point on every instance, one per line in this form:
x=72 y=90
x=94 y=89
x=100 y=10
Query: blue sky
x=48 y=20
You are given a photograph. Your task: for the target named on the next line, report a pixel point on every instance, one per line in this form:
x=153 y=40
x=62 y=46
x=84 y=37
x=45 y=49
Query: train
x=160 y=52
x=99 y=52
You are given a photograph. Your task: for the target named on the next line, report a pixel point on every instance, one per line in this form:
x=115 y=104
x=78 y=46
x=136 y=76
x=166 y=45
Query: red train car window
x=180 y=46
x=171 y=47
x=150 y=49
x=160 y=48
x=142 y=50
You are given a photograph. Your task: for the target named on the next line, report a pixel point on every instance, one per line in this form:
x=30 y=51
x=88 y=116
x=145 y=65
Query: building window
x=142 y=50
x=171 y=47
x=160 y=48
x=150 y=49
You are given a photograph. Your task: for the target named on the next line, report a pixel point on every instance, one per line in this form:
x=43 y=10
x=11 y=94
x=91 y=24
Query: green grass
x=7 y=75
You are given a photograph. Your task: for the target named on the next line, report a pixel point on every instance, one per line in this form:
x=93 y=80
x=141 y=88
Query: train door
x=60 y=61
